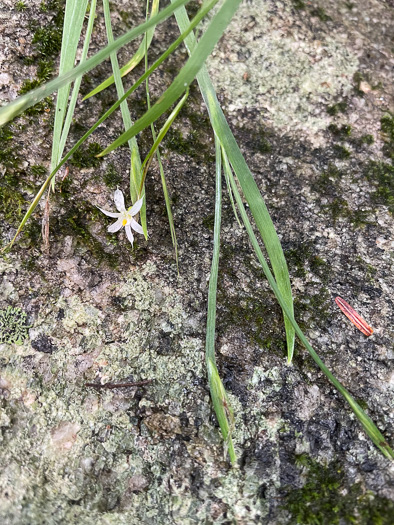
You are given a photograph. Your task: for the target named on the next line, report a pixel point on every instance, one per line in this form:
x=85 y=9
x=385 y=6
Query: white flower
x=125 y=217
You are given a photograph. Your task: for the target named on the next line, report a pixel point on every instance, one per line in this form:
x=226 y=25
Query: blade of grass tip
x=20 y=104
x=222 y=409
x=187 y=74
x=219 y=397
x=367 y=423
x=135 y=163
x=196 y=20
x=246 y=180
x=135 y=59
x=72 y=27
x=158 y=156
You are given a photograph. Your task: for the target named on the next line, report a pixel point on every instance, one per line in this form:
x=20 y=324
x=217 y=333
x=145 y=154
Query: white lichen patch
x=79 y=316
x=246 y=508
x=278 y=67
x=78 y=431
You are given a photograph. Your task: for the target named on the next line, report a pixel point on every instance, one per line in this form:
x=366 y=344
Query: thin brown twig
x=119 y=385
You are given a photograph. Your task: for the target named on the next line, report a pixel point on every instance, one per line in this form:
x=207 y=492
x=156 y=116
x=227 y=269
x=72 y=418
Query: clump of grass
x=227 y=152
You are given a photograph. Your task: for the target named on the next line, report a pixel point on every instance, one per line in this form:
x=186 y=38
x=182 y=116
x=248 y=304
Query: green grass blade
x=158 y=156
x=187 y=74
x=167 y=200
x=213 y=278
x=245 y=177
x=230 y=193
x=218 y=121
x=77 y=84
x=223 y=410
x=135 y=59
x=135 y=161
x=24 y=102
x=162 y=133
x=199 y=16
x=219 y=397
x=72 y=27
x=369 y=426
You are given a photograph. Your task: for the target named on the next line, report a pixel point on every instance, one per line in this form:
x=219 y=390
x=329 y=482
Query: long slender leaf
x=231 y=148
x=135 y=161
x=73 y=21
x=135 y=59
x=213 y=278
x=24 y=102
x=187 y=74
x=196 y=20
x=219 y=397
x=245 y=177
x=158 y=156
x=223 y=410
x=162 y=133
x=77 y=84
x=369 y=426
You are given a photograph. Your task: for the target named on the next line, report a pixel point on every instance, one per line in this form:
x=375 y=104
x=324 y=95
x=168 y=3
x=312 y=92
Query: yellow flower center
x=124 y=222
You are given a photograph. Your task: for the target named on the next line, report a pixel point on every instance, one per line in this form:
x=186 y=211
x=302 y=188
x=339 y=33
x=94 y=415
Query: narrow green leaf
x=218 y=121
x=230 y=193
x=369 y=426
x=77 y=84
x=187 y=74
x=245 y=177
x=223 y=410
x=135 y=161
x=73 y=20
x=158 y=156
x=221 y=404
x=24 y=102
x=162 y=133
x=196 y=20
x=213 y=278
x=167 y=200
x=135 y=59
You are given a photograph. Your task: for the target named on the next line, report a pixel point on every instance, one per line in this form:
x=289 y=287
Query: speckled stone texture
x=307 y=89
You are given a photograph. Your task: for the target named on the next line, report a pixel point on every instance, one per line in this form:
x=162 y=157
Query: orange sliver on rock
x=354 y=317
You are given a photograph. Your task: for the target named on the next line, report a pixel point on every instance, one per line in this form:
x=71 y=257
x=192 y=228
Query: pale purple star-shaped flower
x=125 y=217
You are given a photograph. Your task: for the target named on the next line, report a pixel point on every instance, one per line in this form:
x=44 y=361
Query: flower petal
x=109 y=213
x=136 y=207
x=119 y=200
x=134 y=224
x=116 y=226
x=129 y=234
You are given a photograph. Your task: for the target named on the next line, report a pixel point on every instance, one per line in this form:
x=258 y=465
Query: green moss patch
x=302 y=258
x=387 y=128
x=75 y=223
x=326 y=498
x=340 y=132
x=339 y=107
x=112 y=178
x=341 y=152
x=381 y=175
x=86 y=156
x=190 y=145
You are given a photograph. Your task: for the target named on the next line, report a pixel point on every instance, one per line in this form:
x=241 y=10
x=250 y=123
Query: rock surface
x=307 y=89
